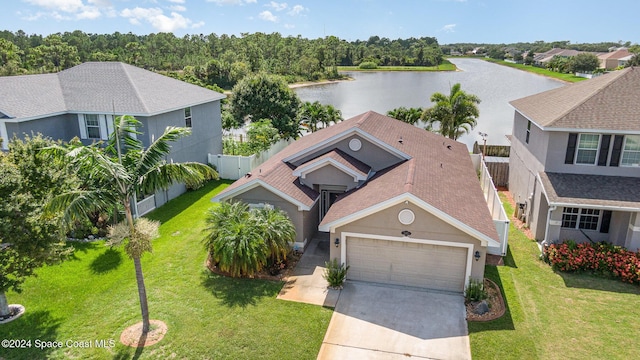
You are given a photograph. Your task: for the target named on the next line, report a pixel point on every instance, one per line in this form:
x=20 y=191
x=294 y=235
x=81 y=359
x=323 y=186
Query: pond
x=382 y=91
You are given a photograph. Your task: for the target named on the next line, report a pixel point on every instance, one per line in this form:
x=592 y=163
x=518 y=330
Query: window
x=575 y=218
x=631 y=151
x=528 y=132
x=187 y=117
x=92 y=125
x=587 y=149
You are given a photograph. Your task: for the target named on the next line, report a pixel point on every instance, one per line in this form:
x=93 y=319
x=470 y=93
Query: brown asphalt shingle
x=344 y=159
x=439 y=172
x=607 y=102
x=599 y=190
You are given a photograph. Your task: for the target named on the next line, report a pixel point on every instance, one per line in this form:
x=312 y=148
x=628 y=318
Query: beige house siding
x=426 y=226
x=329 y=175
x=261 y=195
x=369 y=154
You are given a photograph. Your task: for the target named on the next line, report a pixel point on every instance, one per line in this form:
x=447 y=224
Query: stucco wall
x=525 y=159
x=60 y=127
x=329 y=175
x=261 y=195
x=426 y=226
x=369 y=154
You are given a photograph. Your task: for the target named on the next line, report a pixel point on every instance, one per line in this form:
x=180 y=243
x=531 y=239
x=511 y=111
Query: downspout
x=546 y=230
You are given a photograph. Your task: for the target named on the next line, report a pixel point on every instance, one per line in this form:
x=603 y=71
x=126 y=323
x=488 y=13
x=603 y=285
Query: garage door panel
x=407 y=263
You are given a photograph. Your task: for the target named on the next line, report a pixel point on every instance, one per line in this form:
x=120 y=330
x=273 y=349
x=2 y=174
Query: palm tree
x=333 y=115
x=115 y=174
x=241 y=241
x=312 y=113
x=455 y=114
x=408 y=115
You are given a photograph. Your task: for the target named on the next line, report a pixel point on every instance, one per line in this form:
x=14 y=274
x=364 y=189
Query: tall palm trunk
x=142 y=290
x=4 y=305
x=142 y=293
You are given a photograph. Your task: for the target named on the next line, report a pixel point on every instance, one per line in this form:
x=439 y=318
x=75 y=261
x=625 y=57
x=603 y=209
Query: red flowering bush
x=600 y=258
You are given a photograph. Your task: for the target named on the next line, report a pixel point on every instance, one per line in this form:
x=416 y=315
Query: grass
x=93 y=296
x=538 y=70
x=552 y=315
x=445 y=66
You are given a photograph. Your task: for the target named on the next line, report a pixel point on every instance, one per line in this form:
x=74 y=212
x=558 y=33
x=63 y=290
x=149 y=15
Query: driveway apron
x=374 y=321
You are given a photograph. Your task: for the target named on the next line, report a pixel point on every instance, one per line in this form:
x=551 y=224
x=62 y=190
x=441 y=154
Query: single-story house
x=83 y=100
x=401 y=205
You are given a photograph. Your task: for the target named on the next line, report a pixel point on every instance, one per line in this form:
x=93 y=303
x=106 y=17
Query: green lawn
x=93 y=296
x=540 y=71
x=556 y=315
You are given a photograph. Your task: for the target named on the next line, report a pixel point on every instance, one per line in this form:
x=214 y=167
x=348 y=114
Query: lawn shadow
x=509 y=260
x=32 y=325
x=239 y=292
x=505 y=322
x=109 y=260
x=595 y=282
x=176 y=206
x=82 y=247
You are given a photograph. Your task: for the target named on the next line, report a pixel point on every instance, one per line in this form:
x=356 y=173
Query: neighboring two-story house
x=575 y=160
x=82 y=101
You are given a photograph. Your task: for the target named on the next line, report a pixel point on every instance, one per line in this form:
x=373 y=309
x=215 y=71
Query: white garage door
x=405 y=263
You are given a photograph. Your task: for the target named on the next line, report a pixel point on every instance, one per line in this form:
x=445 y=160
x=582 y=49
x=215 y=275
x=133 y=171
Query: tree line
x=213 y=59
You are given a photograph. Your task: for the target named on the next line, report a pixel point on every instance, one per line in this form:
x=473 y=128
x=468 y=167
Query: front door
x=328 y=195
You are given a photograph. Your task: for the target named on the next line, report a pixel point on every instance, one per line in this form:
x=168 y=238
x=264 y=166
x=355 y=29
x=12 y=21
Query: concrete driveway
x=373 y=321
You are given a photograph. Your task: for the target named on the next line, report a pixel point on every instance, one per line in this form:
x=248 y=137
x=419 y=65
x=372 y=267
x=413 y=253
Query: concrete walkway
x=306 y=284
x=391 y=322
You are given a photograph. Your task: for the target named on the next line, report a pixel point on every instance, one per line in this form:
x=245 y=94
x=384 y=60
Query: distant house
x=401 y=205
x=611 y=60
x=575 y=160
x=81 y=102
x=541 y=59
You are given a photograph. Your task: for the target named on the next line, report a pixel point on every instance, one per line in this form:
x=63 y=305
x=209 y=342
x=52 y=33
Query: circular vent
x=355 y=144
x=406 y=217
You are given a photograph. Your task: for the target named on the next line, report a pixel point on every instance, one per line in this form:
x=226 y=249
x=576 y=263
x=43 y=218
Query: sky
x=450 y=21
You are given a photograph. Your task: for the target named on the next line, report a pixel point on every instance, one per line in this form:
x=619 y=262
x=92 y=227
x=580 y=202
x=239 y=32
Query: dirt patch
x=292 y=260
x=494 y=300
x=517 y=223
x=132 y=336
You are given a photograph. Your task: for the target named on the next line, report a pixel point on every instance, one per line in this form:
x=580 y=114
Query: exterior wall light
x=477 y=255
x=337 y=242
x=406 y=233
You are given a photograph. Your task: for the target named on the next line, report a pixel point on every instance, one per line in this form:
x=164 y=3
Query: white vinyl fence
x=233 y=167
x=499 y=216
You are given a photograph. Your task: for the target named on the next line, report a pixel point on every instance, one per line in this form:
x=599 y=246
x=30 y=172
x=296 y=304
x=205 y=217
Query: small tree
x=28 y=238
x=242 y=241
x=117 y=173
x=263 y=96
x=261 y=135
x=584 y=62
x=455 y=114
x=408 y=115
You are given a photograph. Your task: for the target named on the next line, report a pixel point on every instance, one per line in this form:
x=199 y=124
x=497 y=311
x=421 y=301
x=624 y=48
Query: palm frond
x=164 y=175
x=159 y=148
x=79 y=204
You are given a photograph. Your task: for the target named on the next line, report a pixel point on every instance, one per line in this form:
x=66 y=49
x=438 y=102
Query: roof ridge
x=411 y=174
x=616 y=75
x=133 y=84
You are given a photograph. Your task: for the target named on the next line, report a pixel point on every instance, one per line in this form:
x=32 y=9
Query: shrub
x=599 y=258
x=368 y=65
x=475 y=291
x=335 y=273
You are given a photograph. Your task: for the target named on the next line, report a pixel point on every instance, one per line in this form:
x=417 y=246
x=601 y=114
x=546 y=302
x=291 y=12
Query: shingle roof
x=439 y=172
x=607 y=102
x=344 y=159
x=593 y=190
x=102 y=87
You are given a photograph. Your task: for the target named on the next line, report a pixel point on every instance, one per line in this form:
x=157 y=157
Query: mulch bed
x=132 y=336
x=292 y=260
x=495 y=301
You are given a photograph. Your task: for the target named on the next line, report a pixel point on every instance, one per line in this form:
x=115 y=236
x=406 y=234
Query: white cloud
x=268 y=16
x=289 y=26
x=177 y=8
x=277 y=6
x=233 y=2
x=157 y=18
x=176 y=1
x=197 y=25
x=296 y=10
x=91 y=10
x=449 y=28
